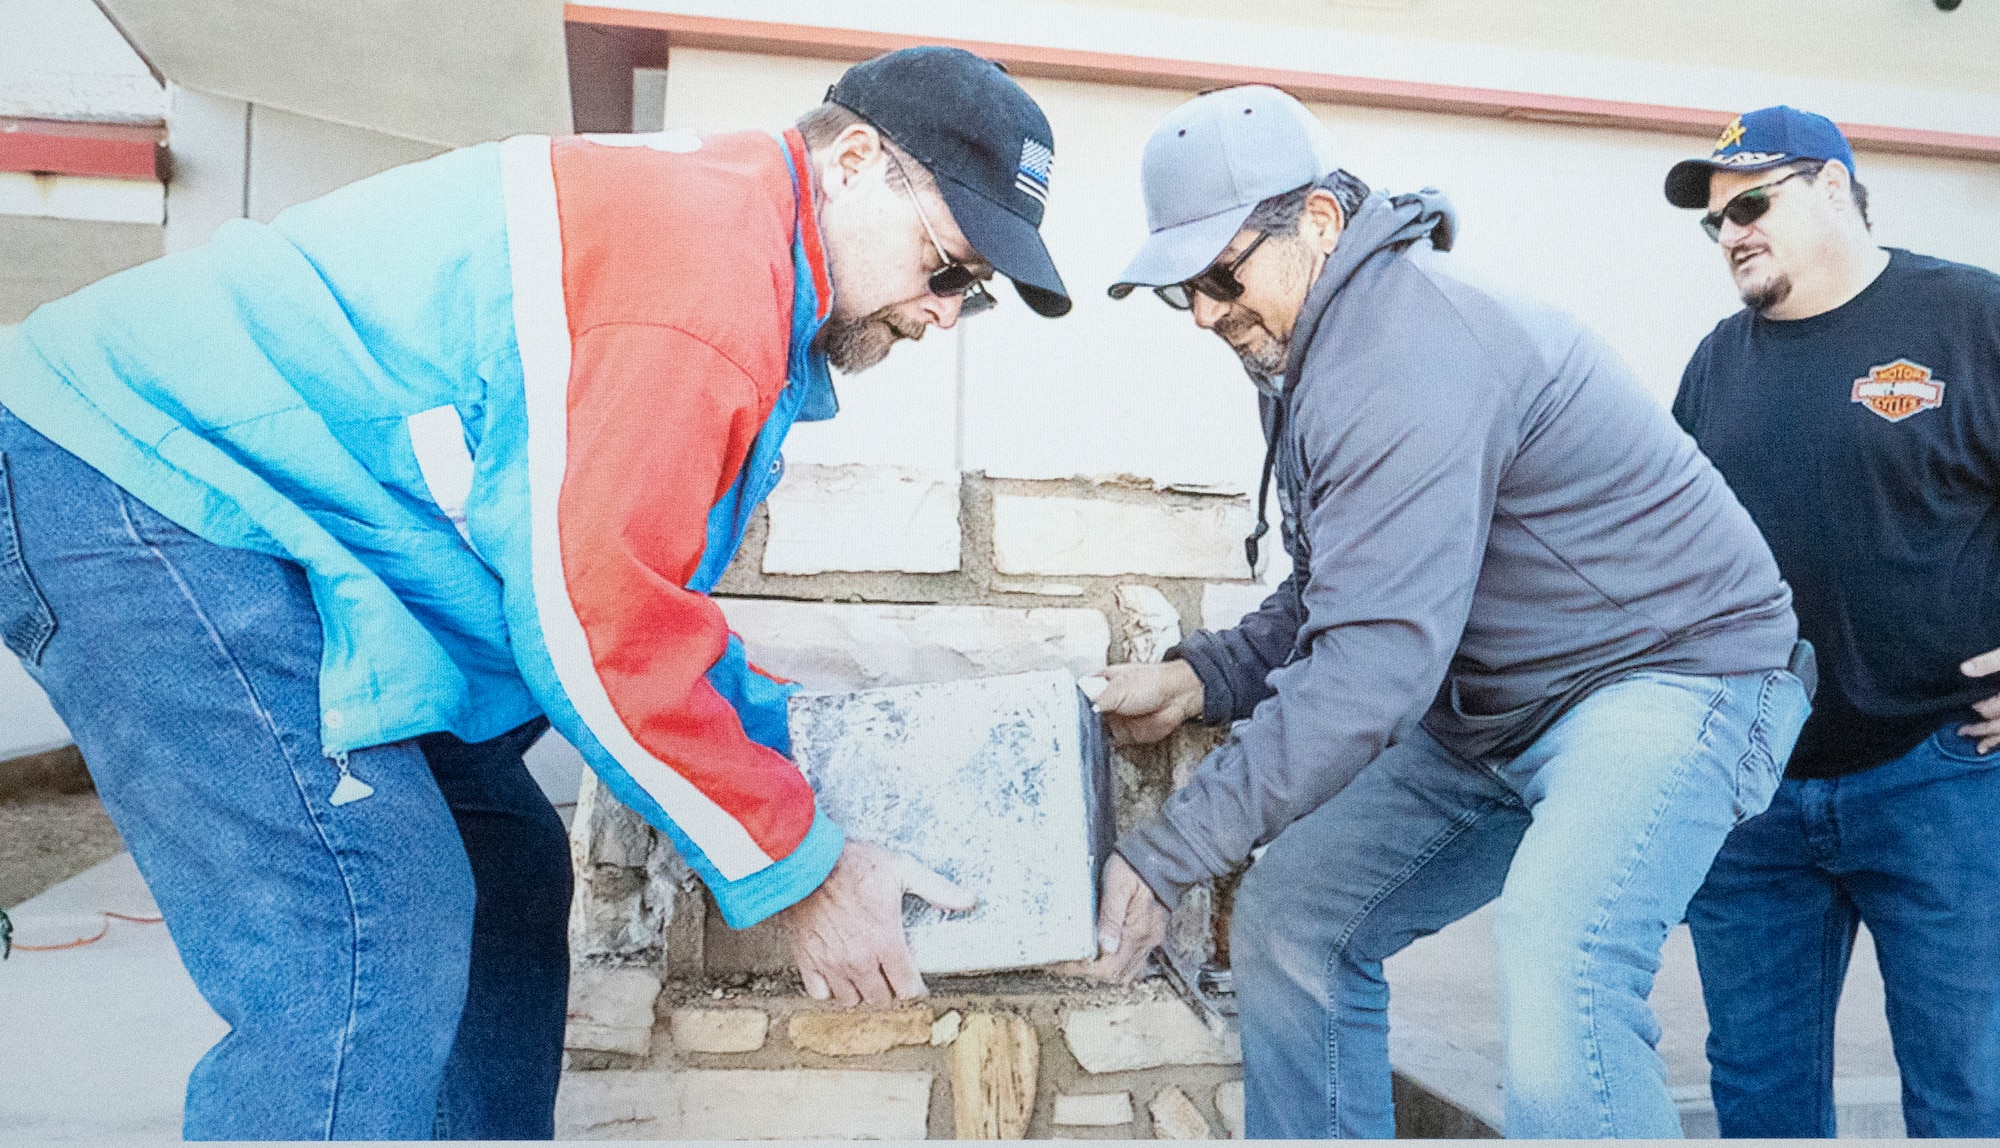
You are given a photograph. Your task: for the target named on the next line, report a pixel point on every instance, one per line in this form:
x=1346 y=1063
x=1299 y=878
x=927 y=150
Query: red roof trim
x=804 y=40
x=64 y=147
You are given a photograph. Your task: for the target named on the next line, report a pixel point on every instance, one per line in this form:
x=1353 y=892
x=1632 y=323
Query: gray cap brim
x=1179 y=253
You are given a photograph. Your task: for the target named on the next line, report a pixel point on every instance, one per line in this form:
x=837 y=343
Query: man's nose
x=1206 y=310
x=1733 y=234
x=941 y=311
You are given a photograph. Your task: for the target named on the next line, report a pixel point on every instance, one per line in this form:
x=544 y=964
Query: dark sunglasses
x=1217 y=282
x=1745 y=207
x=954 y=278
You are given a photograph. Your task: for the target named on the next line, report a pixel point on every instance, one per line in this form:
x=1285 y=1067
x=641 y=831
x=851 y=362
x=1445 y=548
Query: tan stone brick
x=611 y=1010
x=993 y=1069
x=1229 y=1105
x=743 y=1104
x=1069 y=536
x=860 y=1032
x=1124 y=1038
x=1176 y=1118
x=828 y=518
x=1093 y=1109
x=719 y=1029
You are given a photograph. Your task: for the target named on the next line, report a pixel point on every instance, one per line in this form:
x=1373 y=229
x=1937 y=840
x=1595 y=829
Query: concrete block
x=1070 y=536
x=1176 y=1118
x=1000 y=784
x=993 y=1070
x=828 y=646
x=1229 y=1106
x=860 y=1032
x=743 y=1104
x=1148 y=622
x=626 y=880
x=611 y=1010
x=1093 y=1109
x=1125 y=1038
x=718 y=1029
x=1223 y=604
x=827 y=518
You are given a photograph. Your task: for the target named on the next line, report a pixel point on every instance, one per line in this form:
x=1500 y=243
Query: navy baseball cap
x=985 y=142
x=1207 y=167
x=1755 y=141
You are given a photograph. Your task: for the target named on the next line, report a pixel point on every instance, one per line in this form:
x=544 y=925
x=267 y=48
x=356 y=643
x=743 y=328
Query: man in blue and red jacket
x=310 y=532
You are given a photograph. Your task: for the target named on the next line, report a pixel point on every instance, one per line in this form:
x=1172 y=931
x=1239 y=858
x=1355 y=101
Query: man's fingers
x=816 y=986
x=901 y=972
x=933 y=887
x=1979 y=667
x=1988 y=707
x=1093 y=687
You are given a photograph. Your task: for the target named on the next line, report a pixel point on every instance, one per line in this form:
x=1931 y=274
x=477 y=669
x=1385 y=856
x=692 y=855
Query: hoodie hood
x=1384 y=223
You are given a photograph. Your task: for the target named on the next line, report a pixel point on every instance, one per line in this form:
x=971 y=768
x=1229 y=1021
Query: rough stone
x=993 y=783
x=1093 y=1109
x=1229 y=1106
x=611 y=1010
x=860 y=1033
x=626 y=881
x=743 y=1104
x=945 y=1029
x=841 y=518
x=828 y=646
x=993 y=1070
x=1125 y=1038
x=1176 y=1118
x=719 y=1029
x=1225 y=604
x=1071 y=536
x=1148 y=622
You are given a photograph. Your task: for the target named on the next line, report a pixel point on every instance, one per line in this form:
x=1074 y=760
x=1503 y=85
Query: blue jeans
x=390 y=968
x=1912 y=848
x=1593 y=838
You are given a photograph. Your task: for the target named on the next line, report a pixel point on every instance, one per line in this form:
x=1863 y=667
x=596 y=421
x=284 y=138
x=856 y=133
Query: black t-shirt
x=1865 y=442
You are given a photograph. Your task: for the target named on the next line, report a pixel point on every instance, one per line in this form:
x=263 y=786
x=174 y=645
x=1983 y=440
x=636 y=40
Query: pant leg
x=1631 y=794
x=1920 y=838
x=333 y=940
x=500 y=1082
x=1418 y=840
x=1773 y=930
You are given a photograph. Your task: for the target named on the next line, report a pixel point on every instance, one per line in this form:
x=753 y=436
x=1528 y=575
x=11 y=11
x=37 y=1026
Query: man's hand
x=1986 y=732
x=1143 y=702
x=847 y=935
x=1130 y=923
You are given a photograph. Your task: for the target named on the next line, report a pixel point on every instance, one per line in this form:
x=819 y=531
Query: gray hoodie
x=1488 y=518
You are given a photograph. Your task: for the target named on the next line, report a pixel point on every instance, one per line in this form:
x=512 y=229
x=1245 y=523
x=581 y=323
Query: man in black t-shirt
x=1854 y=407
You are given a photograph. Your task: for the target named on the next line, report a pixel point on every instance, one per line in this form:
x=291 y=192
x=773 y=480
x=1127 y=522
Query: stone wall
x=862 y=576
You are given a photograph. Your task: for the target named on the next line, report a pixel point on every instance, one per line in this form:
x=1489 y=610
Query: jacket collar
x=812 y=289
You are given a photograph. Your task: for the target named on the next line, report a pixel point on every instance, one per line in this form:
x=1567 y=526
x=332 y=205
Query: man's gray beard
x=1270 y=383
x=1768 y=294
x=854 y=345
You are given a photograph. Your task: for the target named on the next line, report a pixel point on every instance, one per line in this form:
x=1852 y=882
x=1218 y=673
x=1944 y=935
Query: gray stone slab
x=1000 y=784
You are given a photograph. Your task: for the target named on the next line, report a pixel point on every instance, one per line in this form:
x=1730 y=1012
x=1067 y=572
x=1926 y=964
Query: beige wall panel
x=296 y=158
x=903 y=412
x=446 y=71
x=209 y=149
x=43 y=259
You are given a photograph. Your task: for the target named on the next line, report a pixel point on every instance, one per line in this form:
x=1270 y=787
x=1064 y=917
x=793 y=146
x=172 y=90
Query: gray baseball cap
x=1208 y=165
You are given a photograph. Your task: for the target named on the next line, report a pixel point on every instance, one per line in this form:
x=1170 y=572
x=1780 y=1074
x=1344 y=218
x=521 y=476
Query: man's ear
x=1838 y=182
x=857 y=148
x=1322 y=221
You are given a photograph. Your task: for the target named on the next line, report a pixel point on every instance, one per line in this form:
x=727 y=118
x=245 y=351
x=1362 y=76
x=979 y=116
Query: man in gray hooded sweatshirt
x=1531 y=647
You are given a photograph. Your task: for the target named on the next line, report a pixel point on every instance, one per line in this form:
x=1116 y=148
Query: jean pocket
x=1782 y=706
x=1951 y=746
x=26 y=623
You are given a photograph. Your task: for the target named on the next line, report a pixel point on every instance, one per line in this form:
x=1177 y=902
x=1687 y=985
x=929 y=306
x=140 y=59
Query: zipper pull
x=350 y=788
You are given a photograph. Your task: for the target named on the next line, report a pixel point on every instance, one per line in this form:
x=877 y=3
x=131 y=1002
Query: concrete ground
x=1445 y=1030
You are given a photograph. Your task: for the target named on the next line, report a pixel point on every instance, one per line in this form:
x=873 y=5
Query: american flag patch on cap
x=1032 y=176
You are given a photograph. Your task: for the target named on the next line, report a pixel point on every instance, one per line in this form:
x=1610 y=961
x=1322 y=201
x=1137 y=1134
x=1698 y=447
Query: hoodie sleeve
x=1234 y=663
x=1404 y=450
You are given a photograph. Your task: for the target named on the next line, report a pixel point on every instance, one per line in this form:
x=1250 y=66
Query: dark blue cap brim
x=1687 y=182
x=1011 y=244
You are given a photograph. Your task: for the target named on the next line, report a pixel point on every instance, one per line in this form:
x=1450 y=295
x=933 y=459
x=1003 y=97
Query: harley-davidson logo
x=1898 y=390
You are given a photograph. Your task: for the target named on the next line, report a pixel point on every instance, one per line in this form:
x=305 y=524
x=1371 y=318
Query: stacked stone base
x=988 y=1057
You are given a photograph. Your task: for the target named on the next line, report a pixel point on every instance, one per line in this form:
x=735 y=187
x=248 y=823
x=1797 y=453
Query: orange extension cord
x=91 y=940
